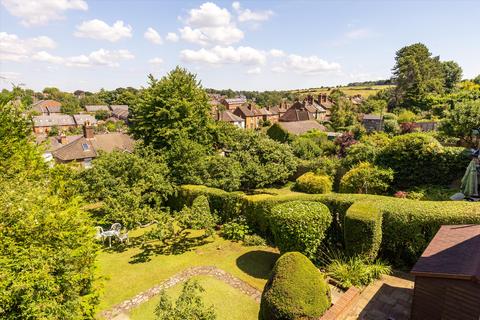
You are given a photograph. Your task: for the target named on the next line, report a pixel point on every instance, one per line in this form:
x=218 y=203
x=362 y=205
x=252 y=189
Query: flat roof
x=453 y=253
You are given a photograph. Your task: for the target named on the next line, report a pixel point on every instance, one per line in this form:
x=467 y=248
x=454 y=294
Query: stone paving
x=119 y=311
x=387 y=299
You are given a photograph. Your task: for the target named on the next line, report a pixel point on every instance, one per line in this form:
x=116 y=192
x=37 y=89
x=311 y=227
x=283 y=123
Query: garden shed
x=447 y=275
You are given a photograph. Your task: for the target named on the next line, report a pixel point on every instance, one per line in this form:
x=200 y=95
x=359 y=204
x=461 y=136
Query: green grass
x=229 y=303
x=364 y=91
x=124 y=279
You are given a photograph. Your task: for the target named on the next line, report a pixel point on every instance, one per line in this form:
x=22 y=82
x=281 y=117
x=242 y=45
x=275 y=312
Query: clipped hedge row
x=363 y=229
x=299 y=226
x=226 y=204
x=407 y=225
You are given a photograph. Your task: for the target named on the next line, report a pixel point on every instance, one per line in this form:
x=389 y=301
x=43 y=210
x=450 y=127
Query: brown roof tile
x=300 y=127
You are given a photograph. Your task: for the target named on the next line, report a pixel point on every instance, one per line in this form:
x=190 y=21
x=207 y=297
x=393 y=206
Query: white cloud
x=279 y=69
x=7 y=76
x=40 y=12
x=224 y=55
x=100 y=57
x=276 y=53
x=153 y=36
x=100 y=30
x=310 y=65
x=245 y=15
x=357 y=34
x=256 y=70
x=172 y=37
x=210 y=24
x=156 y=61
x=13 y=48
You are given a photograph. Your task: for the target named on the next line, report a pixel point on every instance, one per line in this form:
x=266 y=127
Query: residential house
x=372 y=122
x=279 y=111
x=301 y=127
x=297 y=112
x=268 y=115
x=84 y=148
x=327 y=104
x=95 y=108
x=234 y=103
x=43 y=124
x=120 y=113
x=356 y=99
x=81 y=119
x=228 y=116
x=250 y=114
x=46 y=107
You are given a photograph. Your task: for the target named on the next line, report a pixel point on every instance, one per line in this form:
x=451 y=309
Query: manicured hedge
x=363 y=230
x=296 y=290
x=299 y=226
x=407 y=226
x=226 y=204
x=313 y=183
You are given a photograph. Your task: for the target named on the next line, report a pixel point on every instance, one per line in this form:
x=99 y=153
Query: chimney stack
x=88 y=130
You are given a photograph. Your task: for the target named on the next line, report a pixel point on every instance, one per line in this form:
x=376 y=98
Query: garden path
x=389 y=298
x=119 y=311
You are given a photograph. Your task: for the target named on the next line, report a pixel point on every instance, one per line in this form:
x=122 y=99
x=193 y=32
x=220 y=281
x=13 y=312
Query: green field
x=364 y=91
x=229 y=303
x=126 y=276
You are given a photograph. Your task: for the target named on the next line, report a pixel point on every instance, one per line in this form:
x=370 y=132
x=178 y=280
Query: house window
x=85 y=147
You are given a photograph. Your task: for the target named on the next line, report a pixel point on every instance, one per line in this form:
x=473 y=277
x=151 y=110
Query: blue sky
x=252 y=45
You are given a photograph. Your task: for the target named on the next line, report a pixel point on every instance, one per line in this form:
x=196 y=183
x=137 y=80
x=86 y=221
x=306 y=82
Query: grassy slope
x=125 y=279
x=364 y=91
x=229 y=303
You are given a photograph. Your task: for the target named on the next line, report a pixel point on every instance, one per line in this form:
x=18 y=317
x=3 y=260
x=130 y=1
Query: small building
x=426 y=126
x=327 y=104
x=95 y=108
x=279 y=110
x=84 y=148
x=120 y=114
x=250 y=114
x=372 y=122
x=228 y=116
x=234 y=103
x=297 y=112
x=122 y=107
x=43 y=124
x=301 y=127
x=47 y=107
x=447 y=276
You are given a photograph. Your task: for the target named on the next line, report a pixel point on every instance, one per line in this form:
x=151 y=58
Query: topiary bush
x=366 y=178
x=296 y=290
x=299 y=226
x=363 y=230
x=313 y=183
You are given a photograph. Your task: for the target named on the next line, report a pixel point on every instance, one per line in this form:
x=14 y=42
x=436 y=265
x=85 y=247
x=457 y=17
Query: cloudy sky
x=90 y=44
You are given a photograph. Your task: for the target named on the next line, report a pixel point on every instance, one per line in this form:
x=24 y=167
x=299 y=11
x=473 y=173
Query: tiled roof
x=247 y=110
x=120 y=113
x=82 y=148
x=228 y=116
x=294 y=114
x=300 y=127
x=454 y=252
x=235 y=100
x=53 y=120
x=95 y=108
x=123 y=107
x=80 y=119
x=46 y=106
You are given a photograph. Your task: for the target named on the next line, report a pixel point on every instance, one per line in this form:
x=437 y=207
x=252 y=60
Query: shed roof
x=453 y=253
x=53 y=120
x=95 y=108
x=300 y=127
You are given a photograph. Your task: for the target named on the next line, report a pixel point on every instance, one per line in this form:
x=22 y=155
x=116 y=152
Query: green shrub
x=300 y=226
x=235 y=230
x=418 y=158
x=312 y=183
x=366 y=178
x=198 y=217
x=363 y=230
x=276 y=132
x=254 y=240
x=295 y=290
x=226 y=204
x=355 y=271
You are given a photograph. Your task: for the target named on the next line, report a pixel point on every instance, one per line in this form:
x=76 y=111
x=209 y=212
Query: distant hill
x=371 y=83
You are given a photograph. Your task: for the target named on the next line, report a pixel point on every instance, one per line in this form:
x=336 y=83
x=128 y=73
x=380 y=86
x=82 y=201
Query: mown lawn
x=125 y=275
x=229 y=303
x=364 y=91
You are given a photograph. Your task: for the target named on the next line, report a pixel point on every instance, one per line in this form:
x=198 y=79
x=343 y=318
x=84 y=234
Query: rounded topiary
x=313 y=183
x=300 y=226
x=296 y=290
x=366 y=178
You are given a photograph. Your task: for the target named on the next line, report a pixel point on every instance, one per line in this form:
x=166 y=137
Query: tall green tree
x=462 y=120
x=173 y=107
x=453 y=74
x=416 y=74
